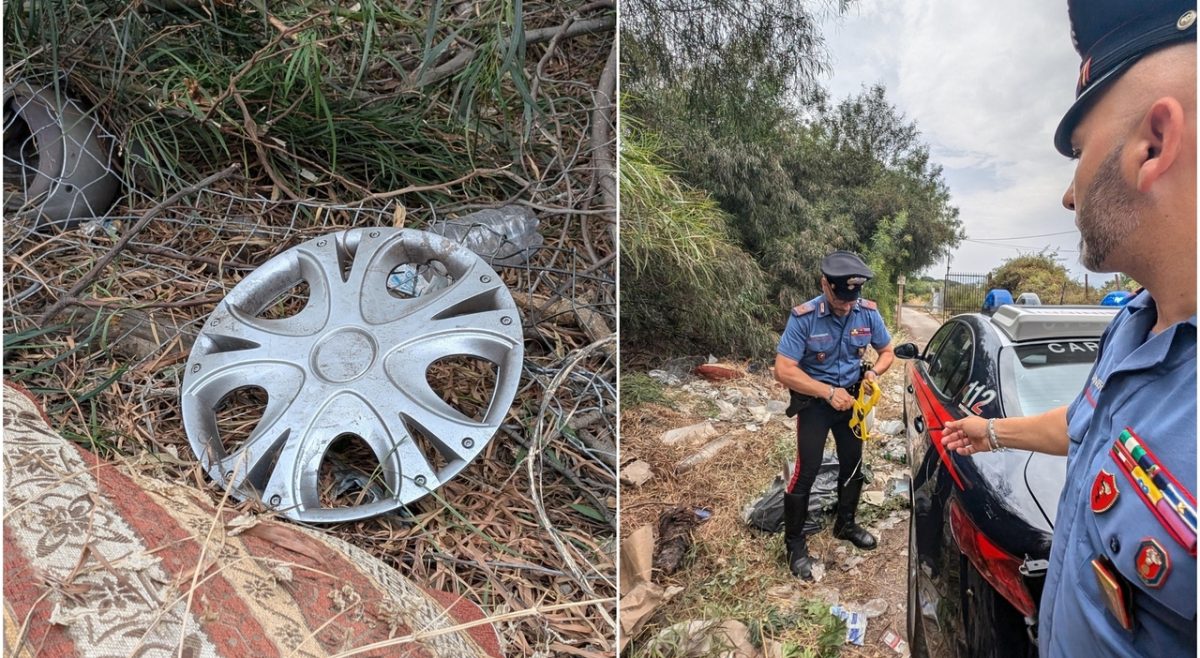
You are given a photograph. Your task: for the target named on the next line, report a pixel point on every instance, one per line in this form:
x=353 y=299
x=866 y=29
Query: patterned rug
x=102 y=561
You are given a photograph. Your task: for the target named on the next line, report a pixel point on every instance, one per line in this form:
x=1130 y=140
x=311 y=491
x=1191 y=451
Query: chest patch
x=860 y=331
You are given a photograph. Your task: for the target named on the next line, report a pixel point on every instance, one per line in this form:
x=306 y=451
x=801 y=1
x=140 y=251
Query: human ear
x=1159 y=139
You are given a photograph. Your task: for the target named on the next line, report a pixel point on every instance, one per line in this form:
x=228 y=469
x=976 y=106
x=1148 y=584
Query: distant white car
x=1029 y=299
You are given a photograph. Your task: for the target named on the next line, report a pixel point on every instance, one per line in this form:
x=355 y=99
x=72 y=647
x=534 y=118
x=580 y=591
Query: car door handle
x=919 y=424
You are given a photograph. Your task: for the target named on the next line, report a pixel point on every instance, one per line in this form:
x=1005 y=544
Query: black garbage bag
x=766 y=512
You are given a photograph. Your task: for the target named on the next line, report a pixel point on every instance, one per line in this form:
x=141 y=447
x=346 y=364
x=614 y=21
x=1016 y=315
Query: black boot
x=795 y=512
x=845 y=527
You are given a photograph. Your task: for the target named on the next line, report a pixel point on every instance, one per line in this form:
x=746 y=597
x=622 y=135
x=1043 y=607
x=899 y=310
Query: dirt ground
x=735 y=572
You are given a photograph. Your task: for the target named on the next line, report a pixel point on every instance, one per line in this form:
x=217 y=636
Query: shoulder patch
x=806 y=307
x=868 y=304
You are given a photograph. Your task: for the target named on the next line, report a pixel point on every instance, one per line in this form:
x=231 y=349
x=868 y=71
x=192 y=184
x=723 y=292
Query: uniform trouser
x=812 y=426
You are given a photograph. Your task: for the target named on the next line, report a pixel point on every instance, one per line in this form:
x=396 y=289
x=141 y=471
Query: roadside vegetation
x=738 y=119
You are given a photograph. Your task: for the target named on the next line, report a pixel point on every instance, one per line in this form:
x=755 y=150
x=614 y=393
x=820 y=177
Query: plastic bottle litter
x=502 y=236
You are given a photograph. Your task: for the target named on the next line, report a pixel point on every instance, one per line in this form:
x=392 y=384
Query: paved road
x=919 y=324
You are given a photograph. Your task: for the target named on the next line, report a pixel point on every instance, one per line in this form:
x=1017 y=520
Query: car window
x=1046 y=375
x=940 y=337
x=951 y=367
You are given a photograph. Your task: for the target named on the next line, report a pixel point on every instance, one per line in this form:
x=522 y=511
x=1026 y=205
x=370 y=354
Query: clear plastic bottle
x=502 y=236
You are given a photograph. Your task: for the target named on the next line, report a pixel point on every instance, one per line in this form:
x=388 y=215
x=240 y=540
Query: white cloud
x=986 y=84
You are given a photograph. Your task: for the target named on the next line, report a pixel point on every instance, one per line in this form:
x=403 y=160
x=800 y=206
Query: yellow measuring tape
x=868 y=395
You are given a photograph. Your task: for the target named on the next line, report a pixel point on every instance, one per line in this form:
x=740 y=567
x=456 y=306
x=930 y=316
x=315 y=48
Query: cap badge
x=1186 y=20
x=856 y=281
x=1153 y=563
x=1104 y=491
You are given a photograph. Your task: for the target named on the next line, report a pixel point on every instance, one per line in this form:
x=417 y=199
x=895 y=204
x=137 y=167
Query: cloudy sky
x=986 y=83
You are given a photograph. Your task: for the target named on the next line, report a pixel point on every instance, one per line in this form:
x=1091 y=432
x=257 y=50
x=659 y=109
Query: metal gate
x=963 y=293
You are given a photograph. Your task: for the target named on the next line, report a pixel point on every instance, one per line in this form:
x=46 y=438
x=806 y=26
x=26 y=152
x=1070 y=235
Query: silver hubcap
x=352 y=361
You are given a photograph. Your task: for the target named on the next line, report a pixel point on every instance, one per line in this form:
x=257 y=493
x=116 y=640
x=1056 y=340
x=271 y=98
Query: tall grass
x=685 y=285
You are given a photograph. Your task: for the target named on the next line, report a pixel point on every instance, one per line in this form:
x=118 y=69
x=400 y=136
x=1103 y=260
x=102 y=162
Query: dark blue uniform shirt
x=1147 y=383
x=829 y=348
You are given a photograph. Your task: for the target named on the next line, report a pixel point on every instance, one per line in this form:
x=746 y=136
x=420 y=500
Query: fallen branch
x=107 y=258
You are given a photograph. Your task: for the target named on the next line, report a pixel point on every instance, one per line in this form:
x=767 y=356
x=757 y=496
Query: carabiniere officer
x=820 y=360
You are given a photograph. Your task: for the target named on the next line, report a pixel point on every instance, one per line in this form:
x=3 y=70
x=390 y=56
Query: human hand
x=842 y=400
x=967 y=436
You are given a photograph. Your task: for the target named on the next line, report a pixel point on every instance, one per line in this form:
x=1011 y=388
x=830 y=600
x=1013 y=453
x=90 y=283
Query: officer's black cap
x=846 y=273
x=1110 y=36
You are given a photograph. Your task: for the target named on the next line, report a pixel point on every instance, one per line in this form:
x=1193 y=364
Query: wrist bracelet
x=829 y=399
x=993 y=440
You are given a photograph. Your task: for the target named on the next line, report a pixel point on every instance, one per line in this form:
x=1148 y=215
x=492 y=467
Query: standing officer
x=819 y=359
x=1122 y=573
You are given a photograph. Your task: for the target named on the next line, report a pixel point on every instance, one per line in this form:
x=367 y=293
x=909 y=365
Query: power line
x=1025 y=237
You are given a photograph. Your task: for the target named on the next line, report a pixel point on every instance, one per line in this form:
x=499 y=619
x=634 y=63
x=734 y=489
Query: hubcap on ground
x=351 y=358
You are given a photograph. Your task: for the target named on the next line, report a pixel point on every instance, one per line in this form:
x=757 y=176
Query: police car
x=980 y=531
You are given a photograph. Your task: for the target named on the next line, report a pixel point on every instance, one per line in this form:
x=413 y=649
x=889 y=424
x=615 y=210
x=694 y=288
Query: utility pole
x=900 y=281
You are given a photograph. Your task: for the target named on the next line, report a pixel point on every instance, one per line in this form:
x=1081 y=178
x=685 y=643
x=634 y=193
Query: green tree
x=1040 y=273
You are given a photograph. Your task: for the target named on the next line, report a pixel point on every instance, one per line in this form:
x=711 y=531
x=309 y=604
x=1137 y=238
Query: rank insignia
x=1104 y=491
x=1117 y=594
x=1153 y=563
x=820 y=357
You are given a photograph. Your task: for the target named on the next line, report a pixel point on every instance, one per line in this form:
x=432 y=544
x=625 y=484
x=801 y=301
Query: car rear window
x=1046 y=375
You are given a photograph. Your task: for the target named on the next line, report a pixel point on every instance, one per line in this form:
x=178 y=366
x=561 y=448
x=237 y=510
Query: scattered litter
x=502 y=236
x=895 y=642
x=873 y=497
x=640 y=597
x=898 y=488
x=890 y=522
x=818 y=572
x=408 y=280
x=675 y=536
x=718 y=373
x=852 y=562
x=697 y=639
x=704 y=454
x=856 y=624
x=890 y=427
x=690 y=434
x=874 y=608
x=751 y=427
x=663 y=377
x=776 y=407
x=759 y=414
x=712 y=359
x=725 y=410
x=636 y=473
